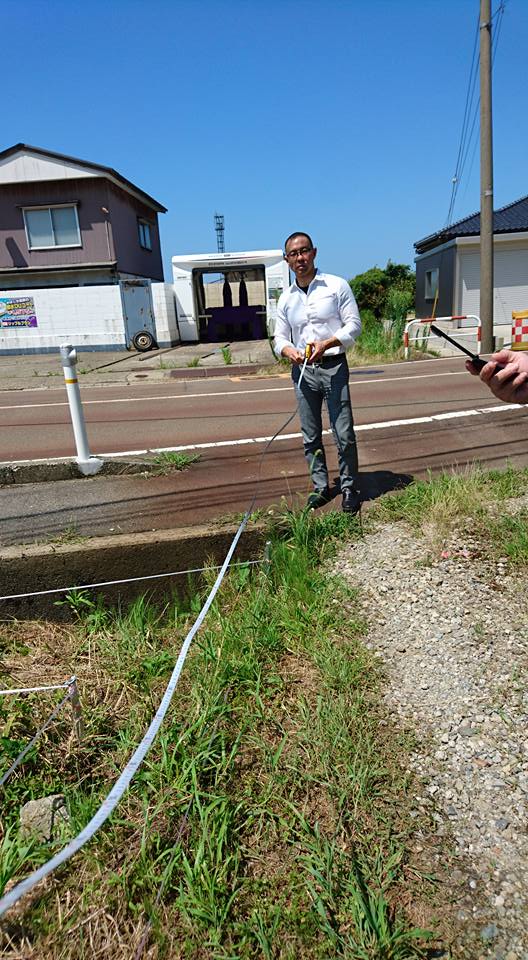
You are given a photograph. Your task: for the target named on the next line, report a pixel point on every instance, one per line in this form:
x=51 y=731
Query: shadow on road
x=375 y=483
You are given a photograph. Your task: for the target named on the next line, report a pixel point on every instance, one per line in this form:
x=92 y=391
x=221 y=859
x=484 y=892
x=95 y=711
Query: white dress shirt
x=327 y=310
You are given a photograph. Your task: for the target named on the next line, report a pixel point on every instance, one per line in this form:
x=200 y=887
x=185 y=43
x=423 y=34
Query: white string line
x=111 y=583
x=56 y=686
x=34 y=739
x=125 y=778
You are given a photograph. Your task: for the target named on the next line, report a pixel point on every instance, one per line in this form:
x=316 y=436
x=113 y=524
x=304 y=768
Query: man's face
x=300 y=256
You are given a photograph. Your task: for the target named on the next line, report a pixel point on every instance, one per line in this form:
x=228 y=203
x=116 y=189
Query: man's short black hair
x=298 y=233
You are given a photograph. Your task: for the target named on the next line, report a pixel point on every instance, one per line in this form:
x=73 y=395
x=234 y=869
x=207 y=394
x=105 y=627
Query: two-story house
x=72 y=225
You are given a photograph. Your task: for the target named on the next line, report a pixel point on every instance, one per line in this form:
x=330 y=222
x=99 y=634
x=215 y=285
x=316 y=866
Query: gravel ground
x=452 y=629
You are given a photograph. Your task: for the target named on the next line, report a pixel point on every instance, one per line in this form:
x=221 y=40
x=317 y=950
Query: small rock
x=467 y=731
x=43 y=818
x=502 y=823
x=489 y=932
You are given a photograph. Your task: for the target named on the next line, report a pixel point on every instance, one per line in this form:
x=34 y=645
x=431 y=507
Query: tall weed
x=258 y=809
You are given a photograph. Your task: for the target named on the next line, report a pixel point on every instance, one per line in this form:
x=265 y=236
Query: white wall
x=510 y=281
x=164 y=307
x=84 y=316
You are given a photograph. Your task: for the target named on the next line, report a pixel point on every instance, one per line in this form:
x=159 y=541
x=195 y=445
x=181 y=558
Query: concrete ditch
x=26 y=569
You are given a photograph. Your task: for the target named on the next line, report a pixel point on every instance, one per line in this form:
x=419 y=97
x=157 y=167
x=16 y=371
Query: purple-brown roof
x=109 y=171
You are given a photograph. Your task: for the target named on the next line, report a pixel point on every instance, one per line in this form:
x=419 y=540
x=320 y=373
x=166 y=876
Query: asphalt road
x=125 y=418
x=411 y=418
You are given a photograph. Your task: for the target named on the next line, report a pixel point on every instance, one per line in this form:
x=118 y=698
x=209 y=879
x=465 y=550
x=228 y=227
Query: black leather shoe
x=318 y=499
x=351 y=501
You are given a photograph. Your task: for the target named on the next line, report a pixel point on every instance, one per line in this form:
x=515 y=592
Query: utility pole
x=486 y=180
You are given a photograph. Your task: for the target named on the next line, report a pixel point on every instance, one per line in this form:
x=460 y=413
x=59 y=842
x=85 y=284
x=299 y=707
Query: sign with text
x=17 y=312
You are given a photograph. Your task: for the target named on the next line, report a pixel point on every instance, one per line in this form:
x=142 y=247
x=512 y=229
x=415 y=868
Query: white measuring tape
x=125 y=778
x=123 y=782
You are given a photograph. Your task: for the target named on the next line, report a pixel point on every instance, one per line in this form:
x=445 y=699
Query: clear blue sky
x=341 y=118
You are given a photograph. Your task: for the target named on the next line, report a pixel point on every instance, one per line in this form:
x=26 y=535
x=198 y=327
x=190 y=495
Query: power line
x=471 y=111
x=499 y=14
x=470 y=92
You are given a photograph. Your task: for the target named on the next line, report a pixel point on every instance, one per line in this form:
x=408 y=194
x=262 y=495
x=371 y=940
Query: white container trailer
x=228 y=296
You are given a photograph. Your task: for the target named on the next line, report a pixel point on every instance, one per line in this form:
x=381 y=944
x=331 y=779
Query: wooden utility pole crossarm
x=486 y=180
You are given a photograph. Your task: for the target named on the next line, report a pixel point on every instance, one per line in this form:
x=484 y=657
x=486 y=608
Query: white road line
x=364 y=427
x=226 y=393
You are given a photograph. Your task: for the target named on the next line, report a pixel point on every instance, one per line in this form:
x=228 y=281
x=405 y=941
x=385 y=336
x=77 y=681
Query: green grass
x=378 y=341
x=382 y=342
x=509 y=538
x=272 y=805
x=471 y=503
x=194 y=362
x=273 y=808
x=70 y=534
x=227 y=355
x=453 y=495
x=171 y=460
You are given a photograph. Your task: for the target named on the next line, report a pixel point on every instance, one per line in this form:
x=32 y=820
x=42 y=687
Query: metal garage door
x=511 y=282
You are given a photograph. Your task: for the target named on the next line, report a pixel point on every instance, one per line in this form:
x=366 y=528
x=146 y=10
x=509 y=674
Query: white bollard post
x=87 y=464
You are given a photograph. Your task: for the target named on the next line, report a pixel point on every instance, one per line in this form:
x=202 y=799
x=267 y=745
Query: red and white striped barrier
x=519 y=330
x=407 y=338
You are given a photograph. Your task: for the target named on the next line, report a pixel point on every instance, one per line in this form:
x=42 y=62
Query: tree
x=371 y=289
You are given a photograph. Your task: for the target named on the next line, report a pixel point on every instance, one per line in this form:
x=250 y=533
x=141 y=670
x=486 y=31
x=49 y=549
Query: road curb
x=47 y=471
x=235 y=369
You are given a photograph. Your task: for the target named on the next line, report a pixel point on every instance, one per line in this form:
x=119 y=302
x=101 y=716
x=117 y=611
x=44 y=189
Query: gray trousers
x=327 y=381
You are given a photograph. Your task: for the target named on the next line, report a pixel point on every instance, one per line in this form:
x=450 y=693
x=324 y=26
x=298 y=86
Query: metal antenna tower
x=219 y=227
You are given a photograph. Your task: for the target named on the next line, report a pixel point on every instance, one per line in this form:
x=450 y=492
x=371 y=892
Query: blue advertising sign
x=17 y=312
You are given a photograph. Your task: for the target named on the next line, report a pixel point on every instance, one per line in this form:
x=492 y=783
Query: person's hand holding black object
x=506 y=374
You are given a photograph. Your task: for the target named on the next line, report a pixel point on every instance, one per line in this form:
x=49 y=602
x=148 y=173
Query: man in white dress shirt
x=319 y=311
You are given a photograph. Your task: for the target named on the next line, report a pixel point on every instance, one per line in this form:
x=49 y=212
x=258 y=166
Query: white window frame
x=50 y=207
x=432 y=278
x=142 y=223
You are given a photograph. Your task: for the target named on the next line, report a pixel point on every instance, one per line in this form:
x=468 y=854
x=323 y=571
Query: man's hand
x=293 y=355
x=320 y=347
x=510 y=384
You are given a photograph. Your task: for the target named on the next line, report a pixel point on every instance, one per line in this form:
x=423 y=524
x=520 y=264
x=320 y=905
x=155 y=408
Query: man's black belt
x=328 y=361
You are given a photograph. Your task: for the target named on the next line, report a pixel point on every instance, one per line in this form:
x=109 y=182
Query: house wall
x=444 y=260
x=91 y=194
x=131 y=257
x=87 y=317
x=510 y=280
x=105 y=237
x=84 y=316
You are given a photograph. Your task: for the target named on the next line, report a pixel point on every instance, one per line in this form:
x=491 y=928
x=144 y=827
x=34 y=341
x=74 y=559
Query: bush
x=372 y=288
